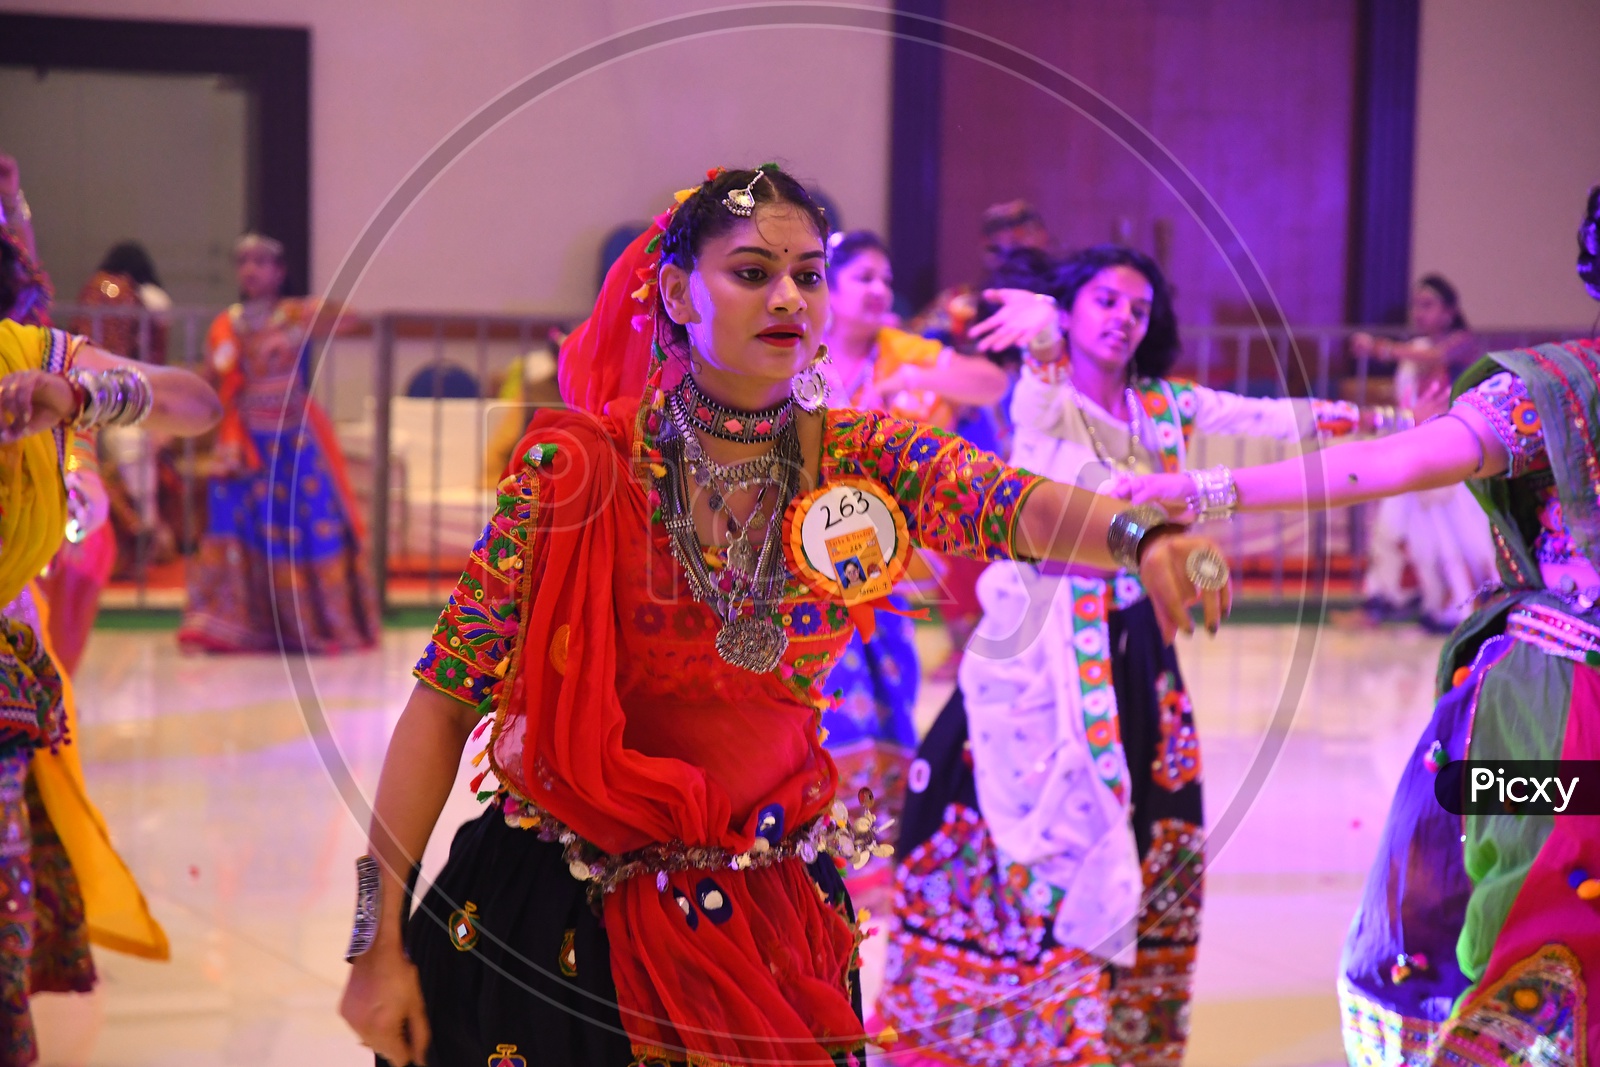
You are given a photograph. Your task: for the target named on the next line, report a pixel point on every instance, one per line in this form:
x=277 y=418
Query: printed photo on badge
x=858 y=561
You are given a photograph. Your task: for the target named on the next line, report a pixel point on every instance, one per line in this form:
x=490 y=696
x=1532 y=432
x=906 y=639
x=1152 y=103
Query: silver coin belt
x=834 y=834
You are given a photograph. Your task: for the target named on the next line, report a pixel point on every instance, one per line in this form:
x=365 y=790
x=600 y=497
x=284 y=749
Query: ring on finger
x=1206 y=568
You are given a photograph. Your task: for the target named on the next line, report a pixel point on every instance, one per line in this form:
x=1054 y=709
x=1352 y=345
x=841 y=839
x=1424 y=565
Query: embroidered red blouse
x=955 y=498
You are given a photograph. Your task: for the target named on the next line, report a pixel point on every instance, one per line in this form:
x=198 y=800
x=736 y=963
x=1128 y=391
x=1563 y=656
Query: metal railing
x=412 y=397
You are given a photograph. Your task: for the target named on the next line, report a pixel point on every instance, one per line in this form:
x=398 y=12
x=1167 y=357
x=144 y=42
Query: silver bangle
x=1127 y=532
x=1212 y=493
x=368 y=893
x=119 y=396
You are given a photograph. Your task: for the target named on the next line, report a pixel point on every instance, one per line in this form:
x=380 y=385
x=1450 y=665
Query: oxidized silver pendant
x=741 y=557
x=753 y=643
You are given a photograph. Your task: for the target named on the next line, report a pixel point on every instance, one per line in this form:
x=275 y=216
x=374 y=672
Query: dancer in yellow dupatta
x=53 y=384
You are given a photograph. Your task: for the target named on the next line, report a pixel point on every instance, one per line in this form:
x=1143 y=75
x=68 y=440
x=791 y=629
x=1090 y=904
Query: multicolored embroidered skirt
x=280 y=550
x=1472 y=946
x=44 y=944
x=974 y=975
x=514 y=963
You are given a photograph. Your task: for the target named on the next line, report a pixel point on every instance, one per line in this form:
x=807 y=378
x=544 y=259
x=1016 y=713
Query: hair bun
x=1589 y=245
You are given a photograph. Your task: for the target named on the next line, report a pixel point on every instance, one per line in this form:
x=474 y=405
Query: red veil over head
x=608 y=356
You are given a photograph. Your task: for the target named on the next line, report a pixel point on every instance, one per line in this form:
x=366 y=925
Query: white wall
x=515 y=223
x=1508 y=144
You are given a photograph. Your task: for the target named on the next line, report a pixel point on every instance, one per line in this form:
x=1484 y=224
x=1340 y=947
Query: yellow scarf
x=113 y=907
x=33 y=519
x=33 y=497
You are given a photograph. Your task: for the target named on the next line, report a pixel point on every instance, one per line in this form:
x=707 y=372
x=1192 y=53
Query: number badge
x=847 y=540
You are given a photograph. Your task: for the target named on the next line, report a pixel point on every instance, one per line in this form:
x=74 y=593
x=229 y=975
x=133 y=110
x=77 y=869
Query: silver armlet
x=120 y=396
x=368 y=892
x=1128 y=529
x=1212 y=493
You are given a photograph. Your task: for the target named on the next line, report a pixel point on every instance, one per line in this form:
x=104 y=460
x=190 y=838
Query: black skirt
x=1139 y=657
x=515 y=963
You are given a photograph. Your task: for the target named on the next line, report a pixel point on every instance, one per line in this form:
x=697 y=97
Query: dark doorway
x=270 y=66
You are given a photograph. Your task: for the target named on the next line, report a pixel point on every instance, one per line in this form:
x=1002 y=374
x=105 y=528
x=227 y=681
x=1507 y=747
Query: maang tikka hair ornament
x=742 y=202
x=809 y=386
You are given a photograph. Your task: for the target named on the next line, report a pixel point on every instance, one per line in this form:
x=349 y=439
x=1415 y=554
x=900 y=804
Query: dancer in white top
x=1443 y=532
x=1055 y=805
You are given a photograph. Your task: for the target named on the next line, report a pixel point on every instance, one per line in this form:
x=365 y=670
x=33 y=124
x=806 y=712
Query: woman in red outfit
x=655 y=879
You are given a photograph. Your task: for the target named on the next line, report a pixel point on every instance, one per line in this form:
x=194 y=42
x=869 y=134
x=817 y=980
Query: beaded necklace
x=1130 y=400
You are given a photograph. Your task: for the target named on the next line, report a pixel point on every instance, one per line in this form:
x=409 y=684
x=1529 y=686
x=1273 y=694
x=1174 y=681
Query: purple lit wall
x=1255 y=97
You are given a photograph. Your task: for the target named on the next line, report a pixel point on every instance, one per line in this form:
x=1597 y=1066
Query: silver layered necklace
x=755 y=575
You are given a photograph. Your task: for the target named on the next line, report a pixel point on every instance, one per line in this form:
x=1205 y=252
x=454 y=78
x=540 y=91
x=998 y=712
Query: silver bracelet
x=1212 y=493
x=119 y=396
x=1128 y=529
x=368 y=891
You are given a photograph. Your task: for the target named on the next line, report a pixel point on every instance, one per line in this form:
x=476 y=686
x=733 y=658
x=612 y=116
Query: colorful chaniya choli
x=282 y=553
x=663 y=757
x=1060 y=789
x=1478 y=937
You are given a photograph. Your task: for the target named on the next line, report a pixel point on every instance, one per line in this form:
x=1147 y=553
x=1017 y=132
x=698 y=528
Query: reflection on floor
x=215 y=778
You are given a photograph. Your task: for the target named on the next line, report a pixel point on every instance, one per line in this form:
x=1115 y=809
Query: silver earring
x=809 y=387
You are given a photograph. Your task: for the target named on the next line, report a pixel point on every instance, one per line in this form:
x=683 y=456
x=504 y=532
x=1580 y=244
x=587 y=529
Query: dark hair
x=1011 y=215
x=704 y=216
x=846 y=245
x=1447 y=293
x=131 y=258
x=1589 y=245
x=10 y=271
x=1033 y=269
x=1159 y=350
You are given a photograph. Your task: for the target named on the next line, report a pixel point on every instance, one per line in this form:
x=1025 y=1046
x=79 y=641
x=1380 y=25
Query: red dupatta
x=715 y=966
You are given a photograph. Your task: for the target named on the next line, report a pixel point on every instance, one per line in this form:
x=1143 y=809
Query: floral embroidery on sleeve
x=956 y=498
x=467 y=655
x=1503 y=401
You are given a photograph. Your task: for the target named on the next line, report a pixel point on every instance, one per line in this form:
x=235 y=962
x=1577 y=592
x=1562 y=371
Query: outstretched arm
x=1443 y=452
x=957 y=378
x=1071 y=525
x=185 y=403
x=32 y=401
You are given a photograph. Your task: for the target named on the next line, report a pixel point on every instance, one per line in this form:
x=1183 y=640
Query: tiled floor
x=226 y=793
